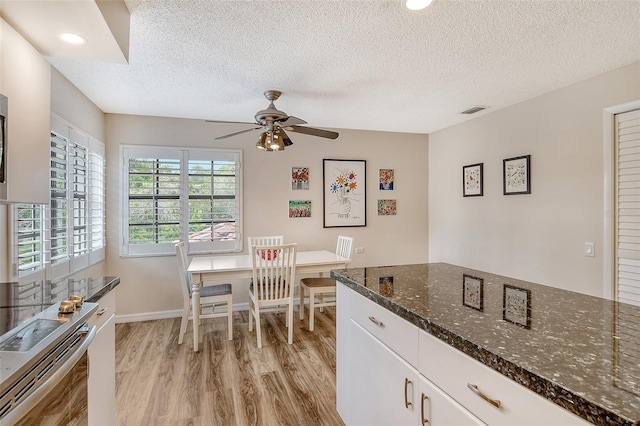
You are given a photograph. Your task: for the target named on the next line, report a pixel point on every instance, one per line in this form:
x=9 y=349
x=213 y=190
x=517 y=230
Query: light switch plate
x=359 y=250
x=589 y=249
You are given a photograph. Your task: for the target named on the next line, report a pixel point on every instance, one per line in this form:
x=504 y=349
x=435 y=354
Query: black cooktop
x=22 y=301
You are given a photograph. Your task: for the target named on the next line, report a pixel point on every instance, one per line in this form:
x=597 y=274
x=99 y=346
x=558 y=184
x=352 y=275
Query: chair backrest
x=274 y=271
x=344 y=246
x=183 y=264
x=271 y=240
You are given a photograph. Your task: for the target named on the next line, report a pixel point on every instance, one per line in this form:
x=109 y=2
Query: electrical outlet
x=359 y=250
x=589 y=249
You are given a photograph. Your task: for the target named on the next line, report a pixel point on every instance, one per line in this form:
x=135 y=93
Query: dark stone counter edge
x=566 y=399
x=109 y=284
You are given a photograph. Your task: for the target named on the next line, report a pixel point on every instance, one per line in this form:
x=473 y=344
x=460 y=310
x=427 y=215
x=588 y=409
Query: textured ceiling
x=355 y=64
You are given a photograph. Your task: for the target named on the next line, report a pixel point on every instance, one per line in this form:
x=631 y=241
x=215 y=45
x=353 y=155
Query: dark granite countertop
x=579 y=351
x=21 y=301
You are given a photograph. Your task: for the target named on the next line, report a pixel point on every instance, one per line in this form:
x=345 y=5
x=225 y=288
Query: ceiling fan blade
x=231 y=122
x=314 y=132
x=292 y=121
x=238 y=133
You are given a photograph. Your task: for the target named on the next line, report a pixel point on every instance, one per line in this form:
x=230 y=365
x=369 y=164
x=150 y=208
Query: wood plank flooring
x=159 y=382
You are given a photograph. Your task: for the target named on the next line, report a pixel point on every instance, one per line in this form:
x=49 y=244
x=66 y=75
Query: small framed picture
x=472 y=180
x=516 y=305
x=387 y=207
x=473 y=292
x=386 y=179
x=299 y=178
x=516 y=175
x=299 y=208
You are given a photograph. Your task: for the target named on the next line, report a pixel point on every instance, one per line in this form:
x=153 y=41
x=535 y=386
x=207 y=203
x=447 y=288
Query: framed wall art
x=516 y=305
x=472 y=185
x=299 y=178
x=386 y=179
x=473 y=292
x=386 y=207
x=344 y=193
x=516 y=175
x=299 y=208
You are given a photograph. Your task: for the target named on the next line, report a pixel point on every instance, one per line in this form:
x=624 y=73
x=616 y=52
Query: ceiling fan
x=274 y=123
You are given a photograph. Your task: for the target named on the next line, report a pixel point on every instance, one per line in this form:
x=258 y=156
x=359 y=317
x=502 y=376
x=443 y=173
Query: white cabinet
x=383 y=386
x=378 y=382
x=102 y=364
x=391 y=373
x=439 y=409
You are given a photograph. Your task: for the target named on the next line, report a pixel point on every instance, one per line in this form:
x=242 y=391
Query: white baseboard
x=151 y=316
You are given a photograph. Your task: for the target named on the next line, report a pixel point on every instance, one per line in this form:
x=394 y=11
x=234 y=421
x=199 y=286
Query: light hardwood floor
x=159 y=382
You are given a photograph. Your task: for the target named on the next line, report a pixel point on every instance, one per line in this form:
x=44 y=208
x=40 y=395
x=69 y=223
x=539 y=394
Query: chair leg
x=230 y=316
x=301 y=290
x=251 y=308
x=312 y=299
x=290 y=322
x=258 y=330
x=183 y=323
x=322 y=302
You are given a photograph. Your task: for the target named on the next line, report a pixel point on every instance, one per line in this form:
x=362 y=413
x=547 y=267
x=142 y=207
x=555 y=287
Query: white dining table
x=220 y=267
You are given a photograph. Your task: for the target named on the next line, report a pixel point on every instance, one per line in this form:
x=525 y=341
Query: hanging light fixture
x=275 y=140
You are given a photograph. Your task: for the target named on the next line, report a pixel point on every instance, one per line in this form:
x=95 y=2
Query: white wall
x=538 y=237
x=150 y=284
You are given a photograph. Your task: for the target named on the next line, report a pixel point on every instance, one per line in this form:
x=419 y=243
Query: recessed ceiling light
x=73 y=38
x=417 y=4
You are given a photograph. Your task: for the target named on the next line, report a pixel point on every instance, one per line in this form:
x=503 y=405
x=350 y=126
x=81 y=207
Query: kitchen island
x=579 y=352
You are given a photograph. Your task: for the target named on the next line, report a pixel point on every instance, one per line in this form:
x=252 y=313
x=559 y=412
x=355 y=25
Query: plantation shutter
x=96 y=201
x=627 y=134
x=30 y=236
x=58 y=199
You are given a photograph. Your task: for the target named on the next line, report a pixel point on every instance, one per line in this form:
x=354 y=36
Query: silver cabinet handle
x=407 y=403
x=101 y=311
x=474 y=389
x=423 y=421
x=376 y=322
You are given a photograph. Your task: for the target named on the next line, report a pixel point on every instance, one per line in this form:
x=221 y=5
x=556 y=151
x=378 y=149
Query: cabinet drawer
x=453 y=372
x=106 y=309
x=398 y=334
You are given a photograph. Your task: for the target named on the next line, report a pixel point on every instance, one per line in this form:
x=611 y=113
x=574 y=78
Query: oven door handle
x=32 y=400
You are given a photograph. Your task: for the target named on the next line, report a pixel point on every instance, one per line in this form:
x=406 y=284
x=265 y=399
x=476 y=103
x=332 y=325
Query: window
x=174 y=194
x=30 y=239
x=68 y=234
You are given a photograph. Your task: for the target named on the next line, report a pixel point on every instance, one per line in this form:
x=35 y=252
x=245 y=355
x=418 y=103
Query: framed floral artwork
x=344 y=193
x=386 y=179
x=472 y=180
x=473 y=292
x=299 y=178
x=516 y=305
x=299 y=208
x=516 y=175
x=386 y=207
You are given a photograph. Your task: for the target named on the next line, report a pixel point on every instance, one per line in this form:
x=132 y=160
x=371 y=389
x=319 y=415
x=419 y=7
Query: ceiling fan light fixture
x=417 y=4
x=262 y=142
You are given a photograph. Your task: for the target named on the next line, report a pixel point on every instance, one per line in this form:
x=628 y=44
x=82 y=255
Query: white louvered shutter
x=627 y=132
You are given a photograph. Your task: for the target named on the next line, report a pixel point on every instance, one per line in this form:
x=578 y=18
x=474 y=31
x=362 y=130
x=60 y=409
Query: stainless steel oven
x=44 y=366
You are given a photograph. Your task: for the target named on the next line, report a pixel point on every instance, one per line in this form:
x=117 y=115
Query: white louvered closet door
x=627 y=256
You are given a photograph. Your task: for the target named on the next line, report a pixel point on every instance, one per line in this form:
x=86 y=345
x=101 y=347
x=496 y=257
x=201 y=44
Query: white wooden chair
x=271 y=240
x=274 y=274
x=211 y=296
x=321 y=288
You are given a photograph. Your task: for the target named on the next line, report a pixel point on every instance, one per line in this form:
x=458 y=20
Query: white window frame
x=183 y=155
x=93 y=180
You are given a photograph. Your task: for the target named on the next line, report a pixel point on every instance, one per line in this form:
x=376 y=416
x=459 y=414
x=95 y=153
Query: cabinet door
x=439 y=409
x=102 y=375
x=383 y=387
